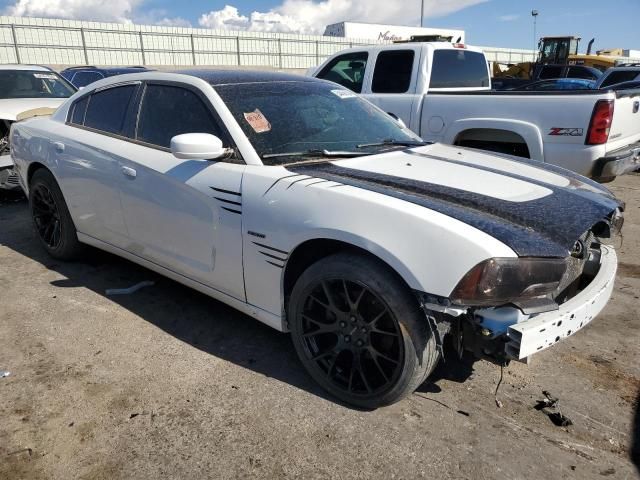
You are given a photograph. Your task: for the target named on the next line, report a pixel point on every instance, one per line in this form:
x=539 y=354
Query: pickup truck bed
x=442 y=92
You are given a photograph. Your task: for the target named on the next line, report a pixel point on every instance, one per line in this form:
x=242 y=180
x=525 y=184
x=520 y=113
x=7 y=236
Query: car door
x=87 y=150
x=185 y=215
x=393 y=83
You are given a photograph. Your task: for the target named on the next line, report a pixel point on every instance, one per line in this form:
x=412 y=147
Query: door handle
x=129 y=172
x=58 y=146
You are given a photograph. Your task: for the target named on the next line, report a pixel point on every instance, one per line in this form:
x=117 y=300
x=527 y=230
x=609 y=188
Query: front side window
x=284 y=117
x=167 y=111
x=458 y=68
x=107 y=109
x=393 y=71
x=33 y=84
x=82 y=79
x=346 y=70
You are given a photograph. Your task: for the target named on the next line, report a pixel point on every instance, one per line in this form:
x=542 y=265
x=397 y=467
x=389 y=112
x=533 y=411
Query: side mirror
x=197 y=146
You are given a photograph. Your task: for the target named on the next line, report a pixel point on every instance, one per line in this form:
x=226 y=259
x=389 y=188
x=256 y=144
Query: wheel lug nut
x=363 y=330
x=360 y=343
x=347 y=338
x=343 y=324
x=353 y=319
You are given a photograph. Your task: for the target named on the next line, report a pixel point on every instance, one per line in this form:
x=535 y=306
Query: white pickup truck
x=442 y=92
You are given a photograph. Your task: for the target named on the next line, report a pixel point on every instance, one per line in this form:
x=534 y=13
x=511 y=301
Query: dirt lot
x=167 y=383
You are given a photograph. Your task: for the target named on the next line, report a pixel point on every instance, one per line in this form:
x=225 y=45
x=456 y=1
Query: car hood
x=534 y=208
x=11 y=107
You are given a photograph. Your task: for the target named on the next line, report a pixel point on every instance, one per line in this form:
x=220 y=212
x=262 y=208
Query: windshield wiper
x=316 y=153
x=390 y=142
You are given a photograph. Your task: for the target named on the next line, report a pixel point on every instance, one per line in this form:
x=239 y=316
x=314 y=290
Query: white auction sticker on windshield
x=258 y=121
x=343 y=94
x=49 y=76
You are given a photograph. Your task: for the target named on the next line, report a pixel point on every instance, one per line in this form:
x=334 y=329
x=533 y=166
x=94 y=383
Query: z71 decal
x=566 y=132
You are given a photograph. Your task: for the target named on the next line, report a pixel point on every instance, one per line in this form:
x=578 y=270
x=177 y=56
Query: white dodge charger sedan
x=301 y=204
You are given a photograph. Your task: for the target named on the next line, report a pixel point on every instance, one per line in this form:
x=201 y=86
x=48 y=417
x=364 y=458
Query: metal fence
x=72 y=45
x=70 y=42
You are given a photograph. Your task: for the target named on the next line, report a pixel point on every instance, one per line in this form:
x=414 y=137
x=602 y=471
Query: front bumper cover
x=543 y=330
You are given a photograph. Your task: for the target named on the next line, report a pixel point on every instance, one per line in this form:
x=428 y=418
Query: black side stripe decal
x=222 y=190
x=270 y=248
x=299 y=180
x=273 y=256
x=281 y=178
x=228 y=201
x=275 y=264
x=232 y=211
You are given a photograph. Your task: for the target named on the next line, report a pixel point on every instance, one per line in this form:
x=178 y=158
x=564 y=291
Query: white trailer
x=389 y=33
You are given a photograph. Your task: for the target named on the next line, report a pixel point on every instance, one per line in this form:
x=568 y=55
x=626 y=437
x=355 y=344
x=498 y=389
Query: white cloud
x=508 y=18
x=308 y=16
x=159 y=17
x=97 y=10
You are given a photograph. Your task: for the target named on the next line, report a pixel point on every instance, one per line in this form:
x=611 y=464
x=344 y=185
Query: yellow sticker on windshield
x=258 y=121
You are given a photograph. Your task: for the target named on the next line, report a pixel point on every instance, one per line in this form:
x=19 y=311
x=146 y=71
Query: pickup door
x=392 y=83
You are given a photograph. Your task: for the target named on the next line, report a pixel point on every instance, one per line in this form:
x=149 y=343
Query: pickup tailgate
x=625 y=128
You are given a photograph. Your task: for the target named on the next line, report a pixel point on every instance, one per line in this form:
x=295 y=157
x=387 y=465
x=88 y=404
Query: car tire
x=359 y=330
x=51 y=218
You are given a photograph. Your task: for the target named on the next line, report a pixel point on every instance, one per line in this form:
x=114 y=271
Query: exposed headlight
x=497 y=281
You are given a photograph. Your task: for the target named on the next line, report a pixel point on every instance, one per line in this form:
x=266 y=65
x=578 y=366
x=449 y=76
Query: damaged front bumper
x=537 y=332
x=8 y=177
x=507 y=333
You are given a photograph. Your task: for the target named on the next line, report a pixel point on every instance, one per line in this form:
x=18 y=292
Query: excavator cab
x=556 y=50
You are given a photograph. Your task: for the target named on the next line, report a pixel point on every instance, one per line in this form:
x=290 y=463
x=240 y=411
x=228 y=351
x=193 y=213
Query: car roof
x=38 y=68
x=223 y=77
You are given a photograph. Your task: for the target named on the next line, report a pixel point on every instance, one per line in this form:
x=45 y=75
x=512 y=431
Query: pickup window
x=347 y=70
x=457 y=68
x=393 y=71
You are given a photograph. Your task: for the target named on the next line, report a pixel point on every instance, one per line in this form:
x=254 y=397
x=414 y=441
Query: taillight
x=600 y=124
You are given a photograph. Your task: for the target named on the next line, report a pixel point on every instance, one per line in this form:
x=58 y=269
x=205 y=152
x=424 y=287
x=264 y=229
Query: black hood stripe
x=548 y=226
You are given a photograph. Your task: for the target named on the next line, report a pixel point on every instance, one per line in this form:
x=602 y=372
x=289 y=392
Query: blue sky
x=504 y=23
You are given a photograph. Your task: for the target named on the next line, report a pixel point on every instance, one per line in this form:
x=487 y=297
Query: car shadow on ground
x=182 y=312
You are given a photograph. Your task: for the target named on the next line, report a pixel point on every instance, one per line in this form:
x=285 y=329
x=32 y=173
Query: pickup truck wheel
x=51 y=217
x=359 y=331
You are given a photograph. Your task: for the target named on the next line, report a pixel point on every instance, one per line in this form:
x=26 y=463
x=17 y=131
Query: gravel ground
x=167 y=383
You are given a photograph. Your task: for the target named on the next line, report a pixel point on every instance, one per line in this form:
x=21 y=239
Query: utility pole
x=421 y=12
x=534 y=14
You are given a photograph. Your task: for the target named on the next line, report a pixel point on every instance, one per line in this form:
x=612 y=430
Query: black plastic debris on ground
x=550 y=406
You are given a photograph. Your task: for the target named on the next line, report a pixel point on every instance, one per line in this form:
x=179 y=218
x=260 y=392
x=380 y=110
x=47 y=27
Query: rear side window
x=347 y=70
x=458 y=68
x=107 y=109
x=621 y=76
x=79 y=111
x=579 y=72
x=393 y=71
x=82 y=79
x=550 y=72
x=168 y=111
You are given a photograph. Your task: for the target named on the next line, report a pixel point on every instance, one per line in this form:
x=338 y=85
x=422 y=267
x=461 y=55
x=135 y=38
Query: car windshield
x=33 y=84
x=303 y=116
